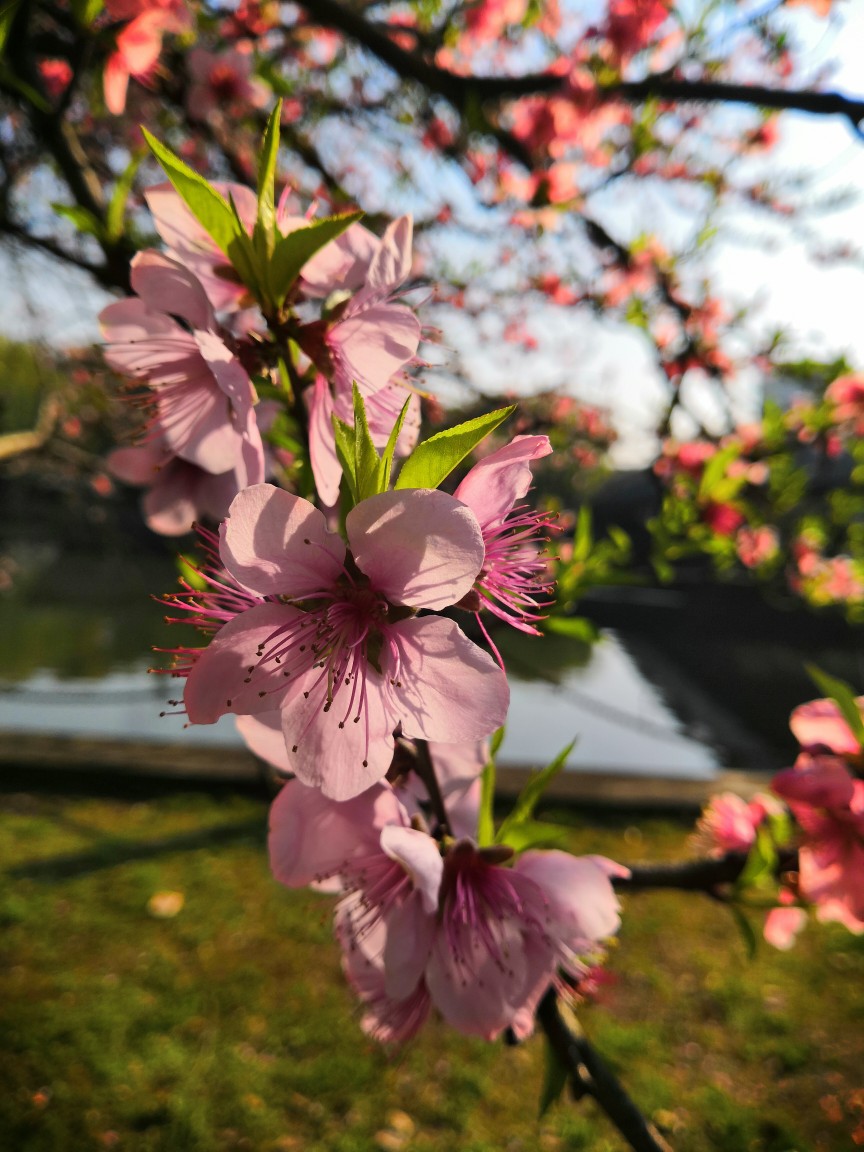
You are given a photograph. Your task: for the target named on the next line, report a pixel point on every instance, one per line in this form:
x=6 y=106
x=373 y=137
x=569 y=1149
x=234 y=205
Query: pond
x=659 y=695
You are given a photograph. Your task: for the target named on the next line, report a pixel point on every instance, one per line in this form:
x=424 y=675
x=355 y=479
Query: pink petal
x=195 y=424
x=263 y=737
x=820 y=725
x=823 y=782
x=493 y=486
x=495 y=994
x=782 y=926
x=411 y=932
x=420 y=857
x=312 y=837
x=328 y=750
x=115 y=80
x=446 y=687
x=141 y=340
x=342 y=263
x=166 y=286
x=139 y=465
x=382 y=410
x=416 y=546
x=322 y=444
x=217 y=682
x=374 y=344
x=580 y=899
x=278 y=544
x=391 y=264
x=228 y=373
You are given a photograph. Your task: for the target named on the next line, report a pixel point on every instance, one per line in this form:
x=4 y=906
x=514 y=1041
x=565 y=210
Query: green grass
x=229 y=1026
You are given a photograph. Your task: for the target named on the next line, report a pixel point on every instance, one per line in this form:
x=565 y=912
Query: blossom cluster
x=192 y=333
x=424 y=922
x=824 y=792
x=327 y=623
x=780 y=500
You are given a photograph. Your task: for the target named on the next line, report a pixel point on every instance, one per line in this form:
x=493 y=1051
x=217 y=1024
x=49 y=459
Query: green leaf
x=527 y=799
x=86 y=11
x=761 y=866
x=434 y=459
x=746 y=929
x=715 y=470
x=7 y=16
x=209 y=207
x=116 y=213
x=247 y=262
x=576 y=627
x=10 y=79
x=390 y=449
x=292 y=251
x=344 y=435
x=496 y=741
x=83 y=219
x=485 y=820
x=367 y=462
x=843 y=696
x=267 y=171
x=535 y=834
x=555 y=1077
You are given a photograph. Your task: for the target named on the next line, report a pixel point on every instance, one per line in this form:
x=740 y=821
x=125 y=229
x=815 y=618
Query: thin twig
x=591 y=1076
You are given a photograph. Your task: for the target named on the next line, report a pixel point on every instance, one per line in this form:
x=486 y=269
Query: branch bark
x=697 y=875
x=459 y=90
x=591 y=1076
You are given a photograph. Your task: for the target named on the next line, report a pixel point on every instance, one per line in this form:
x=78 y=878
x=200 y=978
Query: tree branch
x=460 y=89
x=591 y=1076
x=697 y=875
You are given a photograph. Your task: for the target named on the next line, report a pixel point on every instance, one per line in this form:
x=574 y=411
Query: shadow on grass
x=112 y=852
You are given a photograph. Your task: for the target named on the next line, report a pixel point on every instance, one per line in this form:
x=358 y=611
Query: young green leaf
x=555 y=1077
x=535 y=834
x=760 y=868
x=434 y=459
x=344 y=435
x=496 y=740
x=116 y=213
x=576 y=627
x=267 y=171
x=250 y=267
x=843 y=696
x=387 y=458
x=746 y=929
x=485 y=820
x=367 y=462
x=82 y=218
x=209 y=207
x=7 y=17
x=86 y=11
x=527 y=799
x=291 y=252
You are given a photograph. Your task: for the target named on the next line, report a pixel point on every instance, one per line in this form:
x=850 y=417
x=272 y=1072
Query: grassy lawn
x=228 y=1025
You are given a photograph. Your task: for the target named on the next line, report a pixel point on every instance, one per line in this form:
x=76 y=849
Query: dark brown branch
x=425 y=769
x=591 y=1076
x=697 y=875
x=460 y=90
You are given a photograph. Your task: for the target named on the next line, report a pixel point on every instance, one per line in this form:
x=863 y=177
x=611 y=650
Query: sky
x=756 y=263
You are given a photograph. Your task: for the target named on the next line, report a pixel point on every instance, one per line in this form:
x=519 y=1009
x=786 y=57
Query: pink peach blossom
x=139 y=44
x=819 y=726
x=479 y=941
x=728 y=824
x=202 y=393
x=223 y=81
x=335 y=645
x=514 y=583
x=828 y=804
